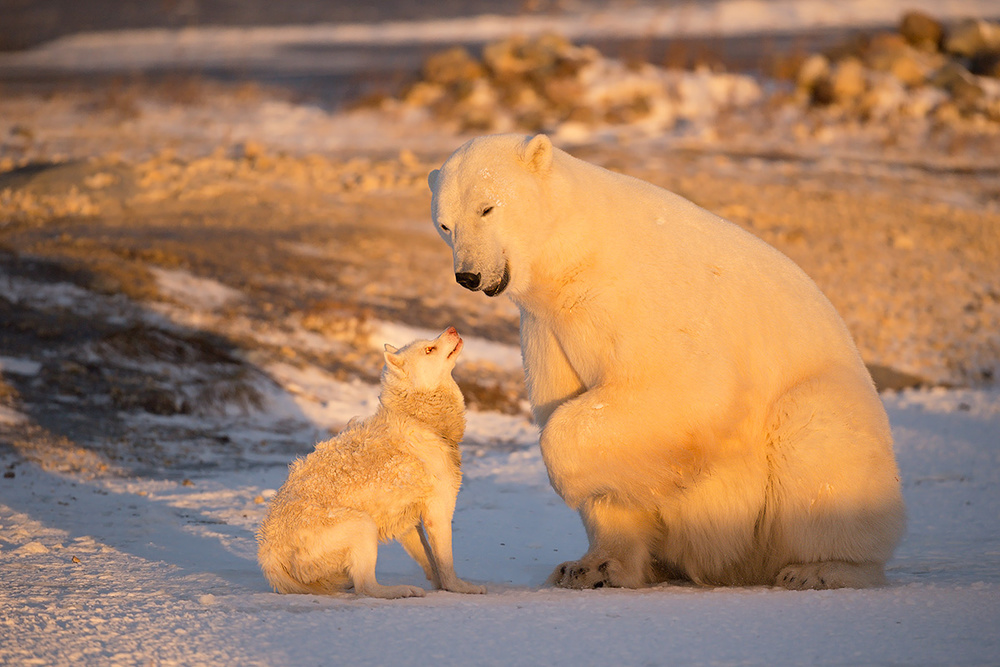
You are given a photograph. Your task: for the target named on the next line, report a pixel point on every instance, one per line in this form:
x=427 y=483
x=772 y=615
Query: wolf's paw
x=459 y=586
x=586 y=573
x=830 y=574
x=393 y=592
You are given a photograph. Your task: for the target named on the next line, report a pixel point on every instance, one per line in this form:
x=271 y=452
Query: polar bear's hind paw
x=830 y=574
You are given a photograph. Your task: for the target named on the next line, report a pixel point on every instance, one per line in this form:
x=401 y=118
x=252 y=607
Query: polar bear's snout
x=474 y=281
x=469 y=281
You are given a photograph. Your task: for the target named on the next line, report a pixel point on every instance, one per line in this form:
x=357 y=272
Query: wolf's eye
x=429 y=350
x=486 y=211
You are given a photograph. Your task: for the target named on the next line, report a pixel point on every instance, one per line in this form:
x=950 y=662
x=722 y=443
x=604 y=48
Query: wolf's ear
x=393 y=361
x=536 y=154
x=432 y=178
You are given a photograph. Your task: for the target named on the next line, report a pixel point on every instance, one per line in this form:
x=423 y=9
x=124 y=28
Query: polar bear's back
x=692 y=279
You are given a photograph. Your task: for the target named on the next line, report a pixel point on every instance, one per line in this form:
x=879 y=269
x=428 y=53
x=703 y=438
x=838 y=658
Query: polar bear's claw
x=580 y=574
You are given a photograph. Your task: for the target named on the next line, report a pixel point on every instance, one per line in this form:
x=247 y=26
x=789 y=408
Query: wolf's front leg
x=437 y=522
x=415 y=543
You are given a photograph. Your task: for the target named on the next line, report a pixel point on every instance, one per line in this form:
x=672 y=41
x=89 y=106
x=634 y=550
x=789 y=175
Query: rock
x=962 y=85
x=814 y=69
x=889 y=52
x=822 y=92
x=885 y=97
x=922 y=101
x=909 y=70
x=972 y=38
x=451 y=66
x=986 y=64
x=848 y=81
x=921 y=31
x=424 y=94
x=546 y=55
x=883 y=49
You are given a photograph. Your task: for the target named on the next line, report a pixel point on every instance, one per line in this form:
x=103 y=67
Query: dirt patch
x=166 y=283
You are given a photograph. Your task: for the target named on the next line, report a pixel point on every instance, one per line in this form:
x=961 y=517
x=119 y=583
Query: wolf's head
x=423 y=365
x=487 y=202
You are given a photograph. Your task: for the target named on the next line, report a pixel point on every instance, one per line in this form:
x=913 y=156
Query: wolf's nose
x=468 y=280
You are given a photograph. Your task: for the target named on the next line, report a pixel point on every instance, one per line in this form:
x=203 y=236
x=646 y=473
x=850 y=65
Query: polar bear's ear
x=432 y=178
x=537 y=153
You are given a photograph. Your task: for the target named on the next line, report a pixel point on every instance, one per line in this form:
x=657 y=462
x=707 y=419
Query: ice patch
x=33 y=548
x=15 y=366
x=11 y=417
x=199 y=293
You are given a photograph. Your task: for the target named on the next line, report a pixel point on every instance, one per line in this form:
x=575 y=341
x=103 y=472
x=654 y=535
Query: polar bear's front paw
x=585 y=573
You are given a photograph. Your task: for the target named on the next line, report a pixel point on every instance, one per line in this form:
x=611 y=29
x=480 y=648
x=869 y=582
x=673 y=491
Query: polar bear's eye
x=486 y=211
x=429 y=350
x=444 y=228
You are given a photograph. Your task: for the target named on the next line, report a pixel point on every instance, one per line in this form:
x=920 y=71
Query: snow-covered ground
x=113 y=566
x=126 y=569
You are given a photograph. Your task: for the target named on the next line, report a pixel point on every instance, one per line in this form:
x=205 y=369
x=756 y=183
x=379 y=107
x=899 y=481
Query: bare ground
x=100 y=219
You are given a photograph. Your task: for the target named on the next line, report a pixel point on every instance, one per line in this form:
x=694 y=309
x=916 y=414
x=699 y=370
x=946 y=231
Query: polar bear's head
x=487 y=201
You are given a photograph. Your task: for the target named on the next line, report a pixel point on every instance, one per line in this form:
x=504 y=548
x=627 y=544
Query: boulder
x=972 y=38
x=451 y=66
x=921 y=31
x=814 y=69
x=965 y=88
x=848 y=81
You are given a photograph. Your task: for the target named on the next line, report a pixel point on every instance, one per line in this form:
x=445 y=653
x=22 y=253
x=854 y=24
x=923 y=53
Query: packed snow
x=158 y=570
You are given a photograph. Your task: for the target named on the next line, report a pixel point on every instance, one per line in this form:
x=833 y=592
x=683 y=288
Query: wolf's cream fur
x=701 y=402
x=390 y=476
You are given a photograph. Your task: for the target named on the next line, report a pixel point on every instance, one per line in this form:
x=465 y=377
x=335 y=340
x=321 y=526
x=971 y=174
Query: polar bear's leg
x=550 y=377
x=608 y=443
x=619 y=554
x=840 y=512
x=615 y=470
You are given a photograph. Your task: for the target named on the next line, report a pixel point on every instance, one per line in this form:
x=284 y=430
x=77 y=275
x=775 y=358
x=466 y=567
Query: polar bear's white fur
x=702 y=404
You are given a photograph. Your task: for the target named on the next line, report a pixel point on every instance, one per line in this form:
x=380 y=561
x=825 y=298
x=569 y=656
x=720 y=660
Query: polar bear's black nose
x=468 y=280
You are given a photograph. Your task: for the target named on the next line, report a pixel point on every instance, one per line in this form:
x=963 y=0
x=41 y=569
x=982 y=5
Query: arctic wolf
x=391 y=476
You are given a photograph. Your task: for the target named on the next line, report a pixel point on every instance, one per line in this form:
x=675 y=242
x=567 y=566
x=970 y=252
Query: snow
x=16 y=366
x=154 y=568
x=137 y=569
x=187 y=288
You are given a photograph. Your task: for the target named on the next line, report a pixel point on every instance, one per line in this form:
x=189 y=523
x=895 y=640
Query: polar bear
x=701 y=403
